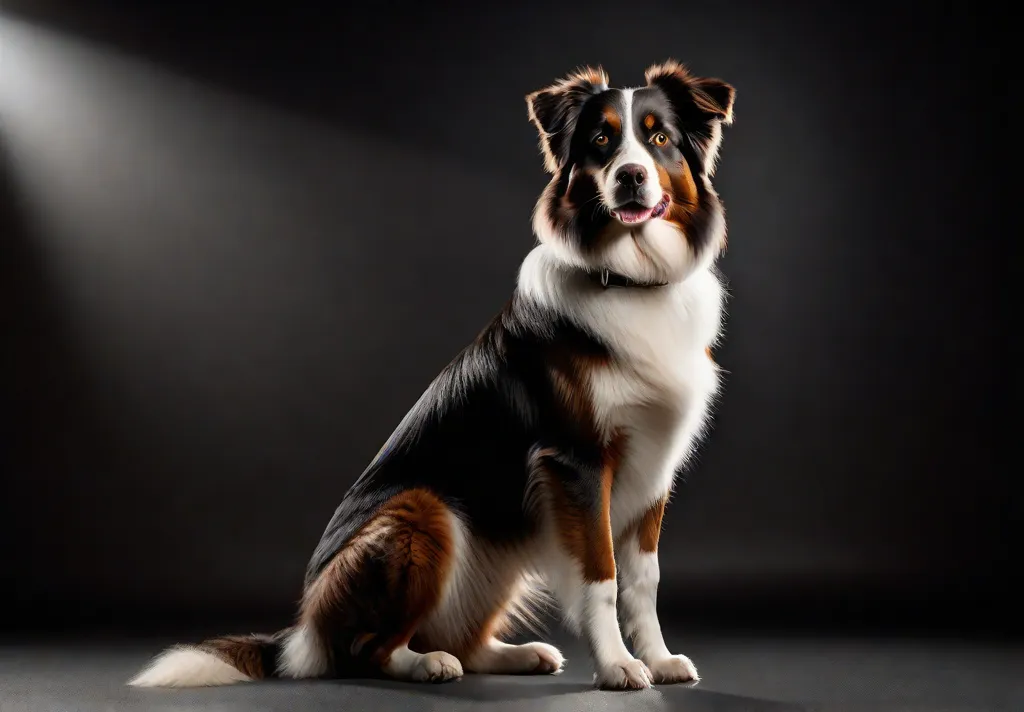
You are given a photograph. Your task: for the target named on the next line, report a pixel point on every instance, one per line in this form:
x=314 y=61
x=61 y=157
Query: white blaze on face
x=631 y=151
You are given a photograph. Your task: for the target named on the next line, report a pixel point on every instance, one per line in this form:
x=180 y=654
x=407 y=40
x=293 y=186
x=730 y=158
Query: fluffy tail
x=218 y=661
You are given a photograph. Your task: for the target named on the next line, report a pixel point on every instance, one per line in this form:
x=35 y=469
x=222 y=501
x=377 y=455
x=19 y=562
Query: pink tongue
x=629 y=216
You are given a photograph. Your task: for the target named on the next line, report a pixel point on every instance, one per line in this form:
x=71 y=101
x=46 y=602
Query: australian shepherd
x=542 y=457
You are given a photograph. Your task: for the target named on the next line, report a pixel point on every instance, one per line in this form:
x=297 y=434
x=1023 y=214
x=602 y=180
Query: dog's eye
x=659 y=139
x=601 y=140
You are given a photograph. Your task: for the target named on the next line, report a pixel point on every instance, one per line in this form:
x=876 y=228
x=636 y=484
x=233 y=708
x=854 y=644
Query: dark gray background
x=238 y=244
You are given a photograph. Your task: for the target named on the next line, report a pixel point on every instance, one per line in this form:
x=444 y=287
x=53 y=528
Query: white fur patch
x=303 y=655
x=185 y=666
x=498 y=658
x=438 y=666
x=631 y=151
x=659 y=390
x=639 y=574
x=600 y=623
x=482 y=580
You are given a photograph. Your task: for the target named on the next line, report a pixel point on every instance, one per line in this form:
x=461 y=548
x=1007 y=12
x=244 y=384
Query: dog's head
x=631 y=171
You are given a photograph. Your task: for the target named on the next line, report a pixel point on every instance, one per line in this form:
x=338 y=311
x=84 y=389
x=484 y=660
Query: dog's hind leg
x=368 y=602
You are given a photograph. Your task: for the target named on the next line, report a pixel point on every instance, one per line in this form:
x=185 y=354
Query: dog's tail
x=235 y=658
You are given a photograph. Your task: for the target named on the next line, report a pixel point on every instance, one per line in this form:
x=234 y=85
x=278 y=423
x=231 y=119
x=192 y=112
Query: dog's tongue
x=628 y=215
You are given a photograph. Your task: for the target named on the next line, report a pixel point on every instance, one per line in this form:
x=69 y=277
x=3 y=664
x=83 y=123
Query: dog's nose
x=631 y=174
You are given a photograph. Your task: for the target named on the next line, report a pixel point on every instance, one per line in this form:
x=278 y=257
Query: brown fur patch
x=571 y=389
x=586 y=533
x=570 y=377
x=668 y=68
x=649 y=121
x=386 y=579
x=649 y=527
x=711 y=356
x=611 y=116
x=646 y=528
x=595 y=75
x=495 y=626
x=244 y=652
x=682 y=188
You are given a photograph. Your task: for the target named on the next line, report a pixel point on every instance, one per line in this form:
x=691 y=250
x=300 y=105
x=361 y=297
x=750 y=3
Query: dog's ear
x=554 y=111
x=701 y=106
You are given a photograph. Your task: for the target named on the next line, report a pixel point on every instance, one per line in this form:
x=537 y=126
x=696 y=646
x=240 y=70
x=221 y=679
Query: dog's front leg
x=636 y=553
x=583 y=574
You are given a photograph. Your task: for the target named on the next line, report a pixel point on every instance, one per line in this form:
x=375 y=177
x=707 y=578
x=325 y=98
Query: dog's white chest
x=658 y=391
x=659 y=343
x=658 y=387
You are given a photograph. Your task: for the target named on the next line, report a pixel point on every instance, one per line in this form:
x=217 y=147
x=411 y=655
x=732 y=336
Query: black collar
x=608 y=279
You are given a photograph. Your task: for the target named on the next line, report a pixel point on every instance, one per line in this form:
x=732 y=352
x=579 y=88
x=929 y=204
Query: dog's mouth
x=634 y=213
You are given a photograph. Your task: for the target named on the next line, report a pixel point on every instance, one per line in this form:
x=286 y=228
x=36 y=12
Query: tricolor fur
x=543 y=456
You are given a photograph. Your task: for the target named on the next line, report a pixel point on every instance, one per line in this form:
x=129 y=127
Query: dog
x=540 y=460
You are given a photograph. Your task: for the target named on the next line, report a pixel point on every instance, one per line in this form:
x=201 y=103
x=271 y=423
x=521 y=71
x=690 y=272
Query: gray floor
x=756 y=673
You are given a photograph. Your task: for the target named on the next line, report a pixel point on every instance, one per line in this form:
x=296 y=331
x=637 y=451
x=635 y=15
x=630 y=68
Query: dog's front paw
x=625 y=675
x=670 y=670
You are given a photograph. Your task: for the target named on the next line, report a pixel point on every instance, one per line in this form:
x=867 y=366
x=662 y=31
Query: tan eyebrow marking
x=649 y=121
x=612 y=117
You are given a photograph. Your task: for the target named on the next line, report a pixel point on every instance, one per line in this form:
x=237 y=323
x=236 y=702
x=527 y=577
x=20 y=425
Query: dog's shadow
x=550 y=693
x=480 y=688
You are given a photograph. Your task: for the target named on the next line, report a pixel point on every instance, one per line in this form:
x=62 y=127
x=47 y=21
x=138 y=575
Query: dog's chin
x=634 y=213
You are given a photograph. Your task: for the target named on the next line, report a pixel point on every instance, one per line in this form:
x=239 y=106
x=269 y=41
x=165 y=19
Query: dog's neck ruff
x=613 y=280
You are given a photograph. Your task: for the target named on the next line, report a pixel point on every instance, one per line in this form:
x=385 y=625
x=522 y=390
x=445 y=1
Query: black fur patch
x=471 y=436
